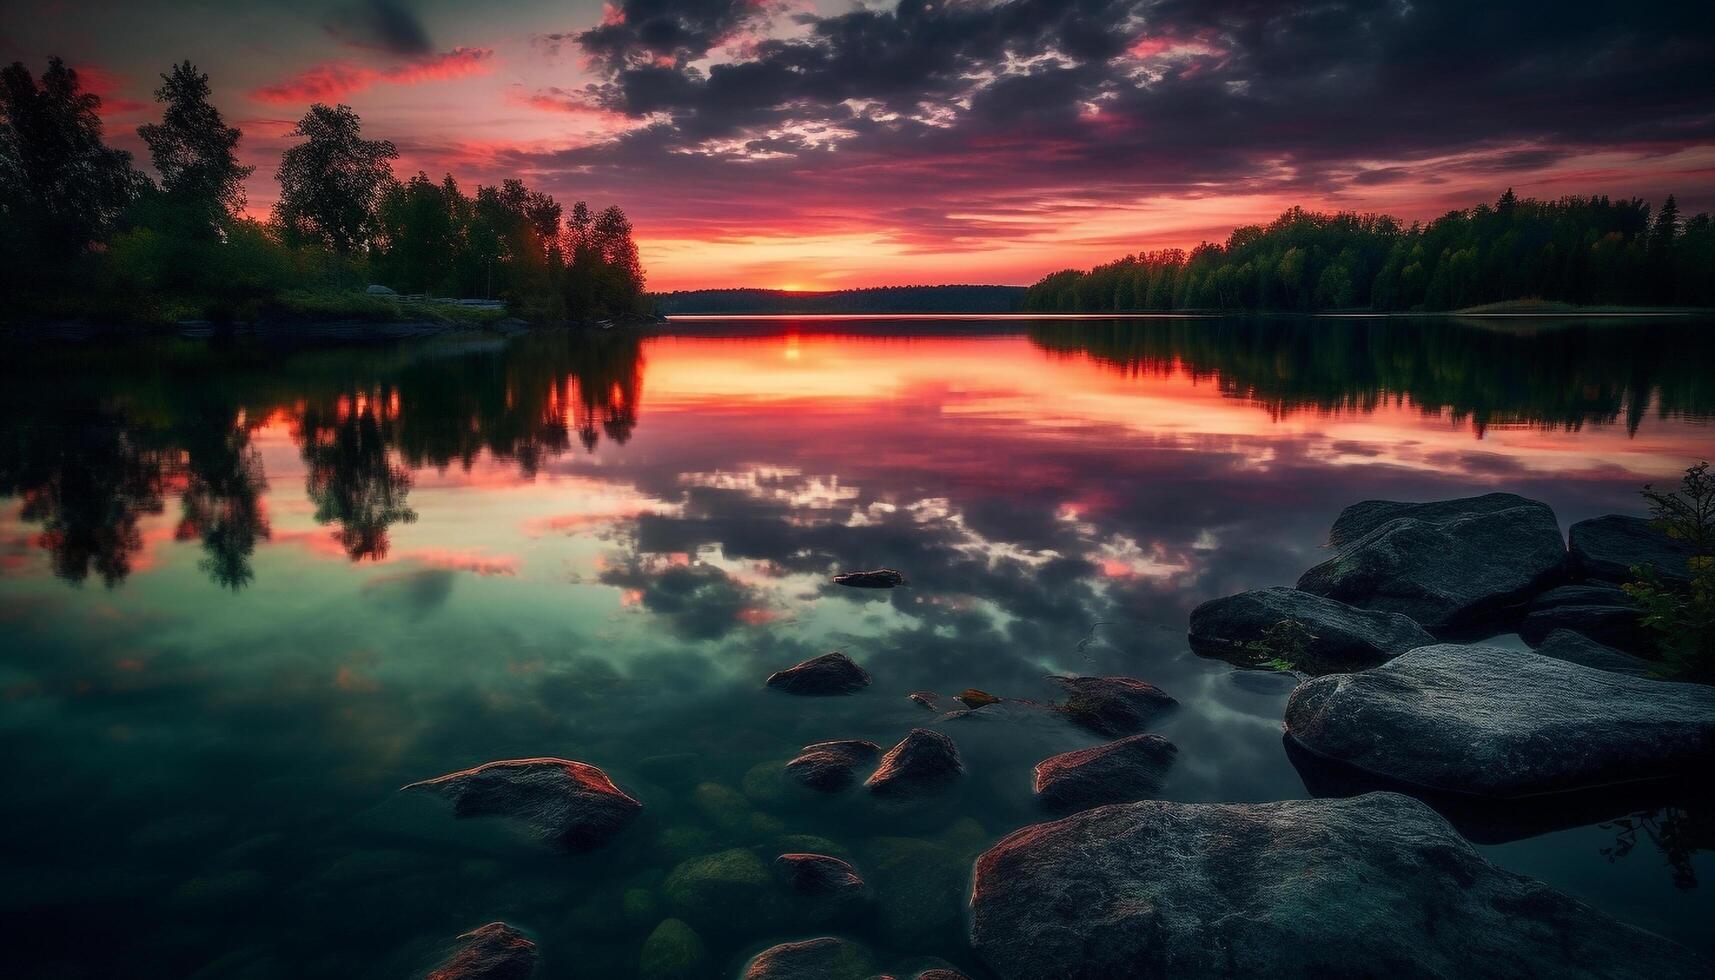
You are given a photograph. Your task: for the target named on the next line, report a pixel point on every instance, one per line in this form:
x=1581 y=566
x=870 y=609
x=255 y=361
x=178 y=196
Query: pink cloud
x=334 y=79
x=106 y=85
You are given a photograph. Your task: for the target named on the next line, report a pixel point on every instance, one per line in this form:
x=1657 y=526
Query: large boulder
x=1112 y=706
x=1344 y=637
x=825 y=958
x=1576 y=648
x=492 y=952
x=1118 y=772
x=1608 y=547
x=831 y=766
x=1446 y=564
x=829 y=674
x=1375 y=886
x=571 y=804
x=1503 y=723
x=1601 y=612
x=924 y=761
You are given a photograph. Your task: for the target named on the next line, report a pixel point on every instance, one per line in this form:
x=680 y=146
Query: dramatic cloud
x=336 y=80
x=380 y=24
x=669 y=33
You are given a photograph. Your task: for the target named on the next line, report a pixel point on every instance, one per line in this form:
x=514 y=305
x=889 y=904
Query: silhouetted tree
x=195 y=152
x=332 y=182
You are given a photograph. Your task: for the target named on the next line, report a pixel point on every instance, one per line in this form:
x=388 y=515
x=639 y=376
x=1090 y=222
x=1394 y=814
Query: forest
x=85 y=234
x=1586 y=251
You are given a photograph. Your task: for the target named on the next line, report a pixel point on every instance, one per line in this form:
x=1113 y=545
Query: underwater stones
x=1129 y=769
x=824 y=958
x=492 y=952
x=1376 y=885
x=927 y=700
x=919 y=883
x=716 y=887
x=1502 y=723
x=730 y=811
x=1609 y=547
x=1112 y=706
x=879 y=578
x=825 y=676
x=571 y=804
x=1445 y=564
x=819 y=875
x=831 y=766
x=924 y=761
x=1579 y=649
x=673 y=951
x=974 y=699
x=941 y=974
x=1343 y=637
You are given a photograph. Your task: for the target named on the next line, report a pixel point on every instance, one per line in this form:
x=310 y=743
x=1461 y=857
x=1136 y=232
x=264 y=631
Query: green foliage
x=1282 y=646
x=1580 y=250
x=331 y=183
x=195 y=153
x=1683 y=616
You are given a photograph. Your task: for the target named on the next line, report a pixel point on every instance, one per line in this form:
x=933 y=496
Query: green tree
x=195 y=153
x=331 y=183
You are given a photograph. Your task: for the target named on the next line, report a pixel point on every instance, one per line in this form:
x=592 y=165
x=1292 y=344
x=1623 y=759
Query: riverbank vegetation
x=84 y=234
x=1576 y=250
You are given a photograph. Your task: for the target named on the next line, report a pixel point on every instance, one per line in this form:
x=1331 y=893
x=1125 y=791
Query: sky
x=824 y=144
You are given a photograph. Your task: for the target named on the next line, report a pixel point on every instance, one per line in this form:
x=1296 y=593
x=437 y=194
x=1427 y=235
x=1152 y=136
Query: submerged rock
x=1579 y=649
x=1445 y=564
x=1344 y=637
x=572 y=804
x=974 y=699
x=924 y=761
x=941 y=974
x=1608 y=547
x=1112 y=706
x=819 y=874
x=717 y=888
x=927 y=700
x=1501 y=723
x=831 y=766
x=879 y=578
x=1377 y=885
x=493 y=952
x=826 y=958
x=829 y=674
x=919 y=884
x=673 y=951
x=1118 y=772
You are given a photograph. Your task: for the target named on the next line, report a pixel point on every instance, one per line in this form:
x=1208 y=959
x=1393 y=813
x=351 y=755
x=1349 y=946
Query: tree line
x=84 y=232
x=1579 y=250
x=873 y=299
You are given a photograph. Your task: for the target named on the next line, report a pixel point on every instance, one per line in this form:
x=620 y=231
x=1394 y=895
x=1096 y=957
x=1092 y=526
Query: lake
x=248 y=591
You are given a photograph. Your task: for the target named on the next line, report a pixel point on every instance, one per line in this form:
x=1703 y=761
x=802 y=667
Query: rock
x=819 y=874
x=1607 y=547
x=376 y=289
x=919 y=884
x=673 y=951
x=714 y=888
x=1346 y=637
x=880 y=578
x=1578 y=649
x=942 y=975
x=1118 y=772
x=730 y=811
x=1373 y=886
x=571 y=804
x=1600 y=612
x=831 y=766
x=826 y=958
x=1112 y=706
x=493 y=952
x=1501 y=723
x=927 y=700
x=829 y=674
x=637 y=905
x=923 y=761
x=1446 y=564
x=974 y=699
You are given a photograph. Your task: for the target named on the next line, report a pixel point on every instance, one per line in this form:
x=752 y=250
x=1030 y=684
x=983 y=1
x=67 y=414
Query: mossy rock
x=823 y=958
x=673 y=951
x=765 y=783
x=728 y=810
x=921 y=884
x=717 y=887
x=682 y=841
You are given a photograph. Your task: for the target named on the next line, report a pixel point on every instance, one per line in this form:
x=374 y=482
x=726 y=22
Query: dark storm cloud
x=1136 y=94
x=381 y=24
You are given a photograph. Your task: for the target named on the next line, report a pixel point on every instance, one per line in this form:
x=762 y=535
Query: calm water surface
x=247 y=592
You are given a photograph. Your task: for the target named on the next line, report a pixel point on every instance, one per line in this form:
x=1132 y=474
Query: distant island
x=877 y=299
x=1587 y=251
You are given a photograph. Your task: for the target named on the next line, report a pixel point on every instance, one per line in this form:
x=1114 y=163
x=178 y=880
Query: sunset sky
x=824 y=143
